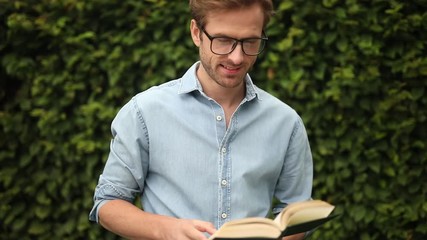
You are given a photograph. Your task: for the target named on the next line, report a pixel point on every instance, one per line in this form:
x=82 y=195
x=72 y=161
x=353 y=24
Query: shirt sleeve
x=126 y=167
x=296 y=178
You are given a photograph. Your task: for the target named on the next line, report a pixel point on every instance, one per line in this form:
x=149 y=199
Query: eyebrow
x=220 y=35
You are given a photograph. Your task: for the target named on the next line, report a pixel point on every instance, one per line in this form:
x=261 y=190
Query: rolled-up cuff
x=93 y=215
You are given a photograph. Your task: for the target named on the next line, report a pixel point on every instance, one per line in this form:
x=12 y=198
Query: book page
x=307 y=213
x=248 y=228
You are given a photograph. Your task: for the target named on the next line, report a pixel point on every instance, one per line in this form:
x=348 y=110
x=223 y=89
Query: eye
x=253 y=41
x=225 y=41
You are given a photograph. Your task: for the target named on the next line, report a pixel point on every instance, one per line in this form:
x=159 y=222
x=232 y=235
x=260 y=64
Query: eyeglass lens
x=223 y=45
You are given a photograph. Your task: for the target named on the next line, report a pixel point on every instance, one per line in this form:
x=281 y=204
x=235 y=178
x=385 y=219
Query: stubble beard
x=223 y=81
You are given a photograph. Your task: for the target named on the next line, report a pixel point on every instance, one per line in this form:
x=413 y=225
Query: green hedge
x=355 y=70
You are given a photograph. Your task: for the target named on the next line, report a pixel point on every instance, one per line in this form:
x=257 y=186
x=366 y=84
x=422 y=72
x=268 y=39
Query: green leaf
x=285 y=5
x=37 y=228
x=359 y=213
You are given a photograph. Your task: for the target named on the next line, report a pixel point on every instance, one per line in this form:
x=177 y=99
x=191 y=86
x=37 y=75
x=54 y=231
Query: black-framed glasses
x=226 y=45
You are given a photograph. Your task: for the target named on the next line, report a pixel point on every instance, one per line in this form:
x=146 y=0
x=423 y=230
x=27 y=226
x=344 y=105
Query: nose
x=237 y=55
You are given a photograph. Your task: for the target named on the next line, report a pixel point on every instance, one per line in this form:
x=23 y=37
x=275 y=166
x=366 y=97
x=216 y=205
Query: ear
x=195 y=32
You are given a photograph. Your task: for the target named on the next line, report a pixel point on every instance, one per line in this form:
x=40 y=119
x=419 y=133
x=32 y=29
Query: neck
x=226 y=96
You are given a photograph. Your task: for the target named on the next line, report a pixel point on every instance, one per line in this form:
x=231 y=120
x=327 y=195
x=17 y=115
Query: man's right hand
x=127 y=220
x=187 y=229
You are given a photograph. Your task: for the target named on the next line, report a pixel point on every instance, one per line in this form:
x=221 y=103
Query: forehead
x=242 y=22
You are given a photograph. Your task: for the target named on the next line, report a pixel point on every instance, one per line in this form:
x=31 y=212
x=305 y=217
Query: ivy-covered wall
x=356 y=71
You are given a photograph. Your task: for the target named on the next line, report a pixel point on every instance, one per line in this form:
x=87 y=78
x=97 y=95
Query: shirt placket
x=224 y=167
x=224 y=186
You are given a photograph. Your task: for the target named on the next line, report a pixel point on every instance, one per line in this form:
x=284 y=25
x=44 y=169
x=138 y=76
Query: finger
x=205 y=227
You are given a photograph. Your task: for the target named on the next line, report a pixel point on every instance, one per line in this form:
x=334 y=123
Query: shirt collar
x=190 y=83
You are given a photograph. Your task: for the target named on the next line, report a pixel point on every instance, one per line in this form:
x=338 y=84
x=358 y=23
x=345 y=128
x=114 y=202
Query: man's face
x=227 y=71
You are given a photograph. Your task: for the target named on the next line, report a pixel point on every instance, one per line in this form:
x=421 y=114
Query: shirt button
x=224 y=182
x=224 y=215
x=219 y=118
x=223 y=150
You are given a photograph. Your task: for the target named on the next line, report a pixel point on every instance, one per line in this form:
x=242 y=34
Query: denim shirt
x=171 y=147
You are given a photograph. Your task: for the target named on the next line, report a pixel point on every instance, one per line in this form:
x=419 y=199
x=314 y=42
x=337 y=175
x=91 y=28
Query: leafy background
x=354 y=69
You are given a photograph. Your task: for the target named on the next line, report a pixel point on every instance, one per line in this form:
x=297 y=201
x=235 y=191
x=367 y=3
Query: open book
x=294 y=218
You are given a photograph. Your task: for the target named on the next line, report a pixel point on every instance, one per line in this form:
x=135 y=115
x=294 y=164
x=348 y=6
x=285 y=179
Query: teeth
x=230 y=68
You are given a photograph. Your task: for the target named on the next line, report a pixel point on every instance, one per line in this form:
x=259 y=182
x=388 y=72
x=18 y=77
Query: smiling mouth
x=229 y=68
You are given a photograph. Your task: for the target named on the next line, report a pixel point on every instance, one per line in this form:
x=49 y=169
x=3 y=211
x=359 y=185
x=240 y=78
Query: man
x=208 y=147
